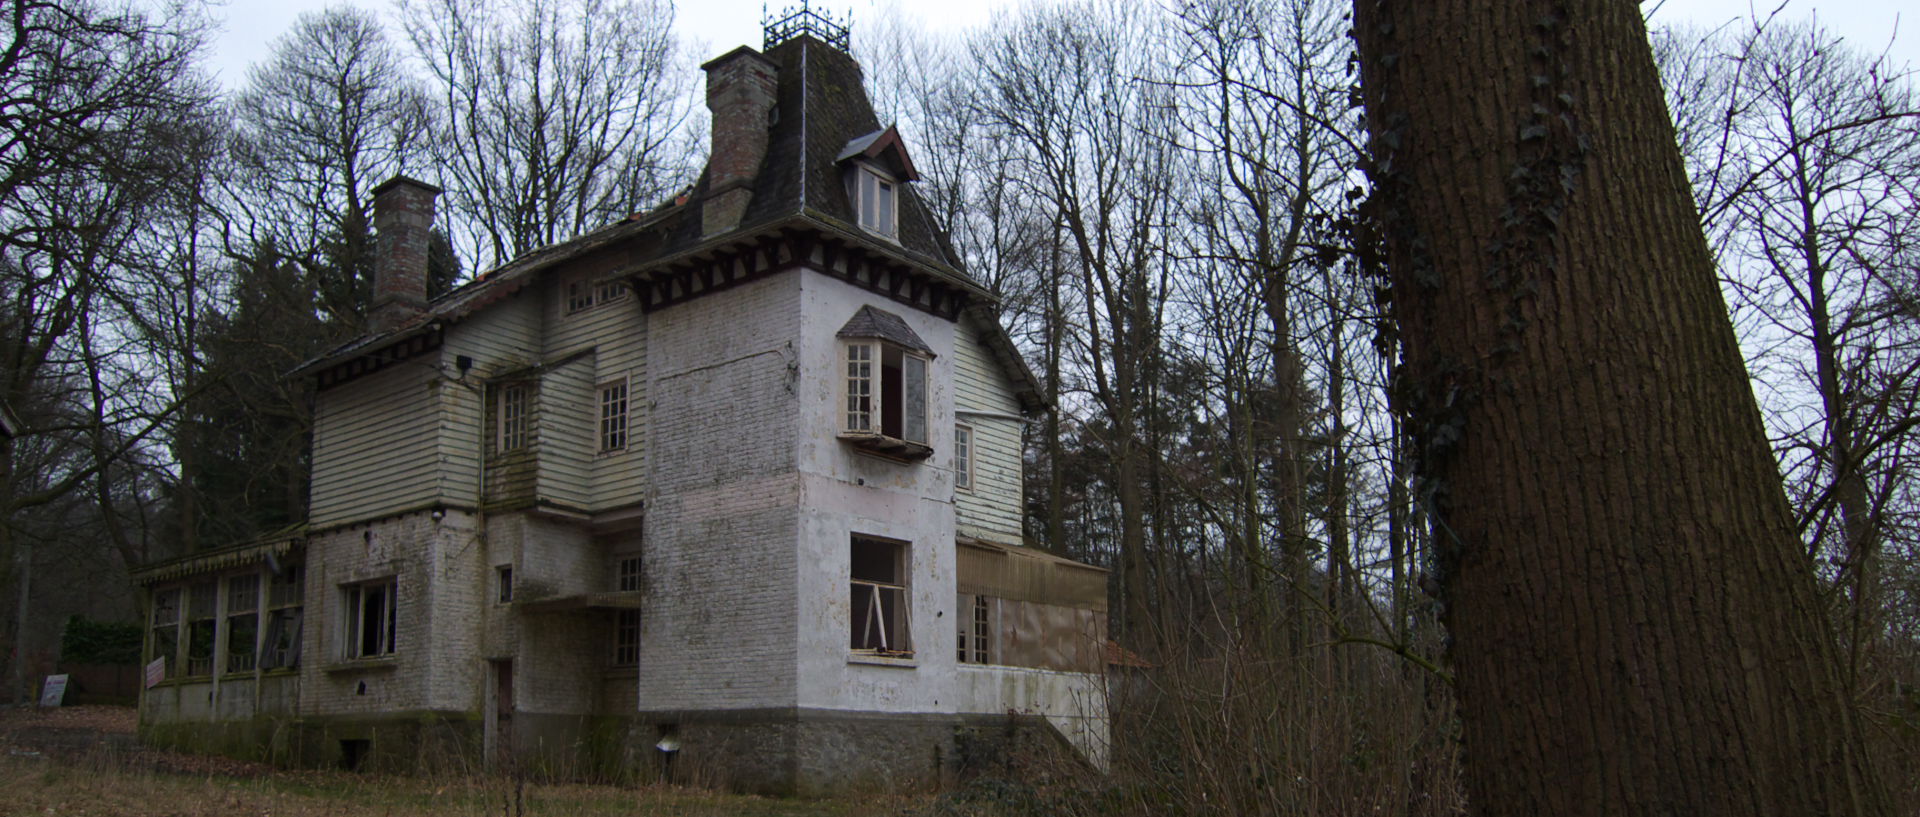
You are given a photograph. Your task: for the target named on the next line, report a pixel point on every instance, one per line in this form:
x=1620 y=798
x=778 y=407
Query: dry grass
x=99 y=785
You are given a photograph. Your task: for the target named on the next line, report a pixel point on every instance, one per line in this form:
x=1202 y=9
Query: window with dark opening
x=166 y=628
x=613 y=416
x=243 y=621
x=976 y=629
x=202 y=623
x=879 y=597
x=286 y=593
x=370 y=618
x=503 y=583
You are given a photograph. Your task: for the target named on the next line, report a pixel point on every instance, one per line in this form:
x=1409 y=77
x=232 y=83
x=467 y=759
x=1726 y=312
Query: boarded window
x=878 y=579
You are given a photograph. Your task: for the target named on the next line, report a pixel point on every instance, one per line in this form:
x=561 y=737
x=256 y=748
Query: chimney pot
x=403 y=224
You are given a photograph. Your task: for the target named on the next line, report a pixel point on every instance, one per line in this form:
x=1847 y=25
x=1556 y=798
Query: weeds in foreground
x=90 y=786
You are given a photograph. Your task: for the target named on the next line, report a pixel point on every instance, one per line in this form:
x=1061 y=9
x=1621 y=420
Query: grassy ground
x=98 y=786
x=83 y=761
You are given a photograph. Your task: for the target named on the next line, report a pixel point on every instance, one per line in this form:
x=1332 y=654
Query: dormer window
x=876 y=165
x=874 y=201
x=884 y=405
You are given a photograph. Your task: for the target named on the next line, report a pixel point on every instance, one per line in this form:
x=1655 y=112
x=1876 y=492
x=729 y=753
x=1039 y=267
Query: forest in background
x=1171 y=202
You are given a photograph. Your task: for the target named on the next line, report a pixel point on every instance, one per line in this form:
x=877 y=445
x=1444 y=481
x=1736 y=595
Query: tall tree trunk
x=1636 y=628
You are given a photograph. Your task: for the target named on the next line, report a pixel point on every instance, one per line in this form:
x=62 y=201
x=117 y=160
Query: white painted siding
x=991 y=510
x=616 y=333
x=568 y=419
x=374 y=444
x=503 y=337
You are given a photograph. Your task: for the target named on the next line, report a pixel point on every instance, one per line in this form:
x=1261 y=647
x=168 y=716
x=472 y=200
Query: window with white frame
x=371 y=617
x=878 y=570
x=963 y=457
x=512 y=416
x=875 y=200
x=579 y=295
x=886 y=391
x=607 y=292
x=975 y=636
x=243 y=621
x=613 y=416
x=583 y=294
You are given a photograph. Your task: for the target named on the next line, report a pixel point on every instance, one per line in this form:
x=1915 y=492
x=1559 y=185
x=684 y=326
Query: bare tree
x=105 y=134
x=557 y=116
x=330 y=115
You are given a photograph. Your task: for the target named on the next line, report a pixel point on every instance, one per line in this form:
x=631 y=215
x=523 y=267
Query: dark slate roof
x=821 y=107
x=877 y=323
x=822 y=112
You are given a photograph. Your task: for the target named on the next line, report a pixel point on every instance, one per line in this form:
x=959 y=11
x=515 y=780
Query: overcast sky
x=250 y=26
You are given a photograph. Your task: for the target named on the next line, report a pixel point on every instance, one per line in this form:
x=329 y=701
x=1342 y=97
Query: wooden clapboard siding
x=615 y=332
x=567 y=422
x=992 y=509
x=374 y=442
x=501 y=339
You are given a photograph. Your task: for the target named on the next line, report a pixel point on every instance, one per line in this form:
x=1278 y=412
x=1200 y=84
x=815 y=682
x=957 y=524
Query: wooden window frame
x=354 y=599
x=202 y=610
x=286 y=609
x=866 y=403
x=875 y=196
x=963 y=456
x=163 y=626
x=974 y=640
x=243 y=605
x=880 y=621
x=513 y=416
x=616 y=415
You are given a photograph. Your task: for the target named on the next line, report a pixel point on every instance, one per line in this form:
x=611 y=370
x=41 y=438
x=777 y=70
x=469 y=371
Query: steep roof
x=821 y=110
x=822 y=119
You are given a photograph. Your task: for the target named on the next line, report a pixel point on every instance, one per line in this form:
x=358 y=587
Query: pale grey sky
x=250 y=26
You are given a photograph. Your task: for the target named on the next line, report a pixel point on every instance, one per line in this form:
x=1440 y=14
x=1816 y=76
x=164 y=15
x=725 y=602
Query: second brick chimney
x=403 y=224
x=740 y=93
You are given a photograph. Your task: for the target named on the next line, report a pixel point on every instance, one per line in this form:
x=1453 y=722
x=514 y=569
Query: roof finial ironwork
x=791 y=22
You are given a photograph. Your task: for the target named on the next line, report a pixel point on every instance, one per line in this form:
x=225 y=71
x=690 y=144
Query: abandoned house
x=735 y=482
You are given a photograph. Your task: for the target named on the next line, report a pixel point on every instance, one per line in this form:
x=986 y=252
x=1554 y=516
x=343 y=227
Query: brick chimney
x=740 y=88
x=402 y=223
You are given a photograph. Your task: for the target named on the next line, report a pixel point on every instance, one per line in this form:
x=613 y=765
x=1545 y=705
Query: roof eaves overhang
x=269 y=550
x=814 y=221
x=490 y=287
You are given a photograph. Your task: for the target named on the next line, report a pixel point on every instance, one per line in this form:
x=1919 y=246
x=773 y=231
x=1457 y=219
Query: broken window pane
x=879 y=604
